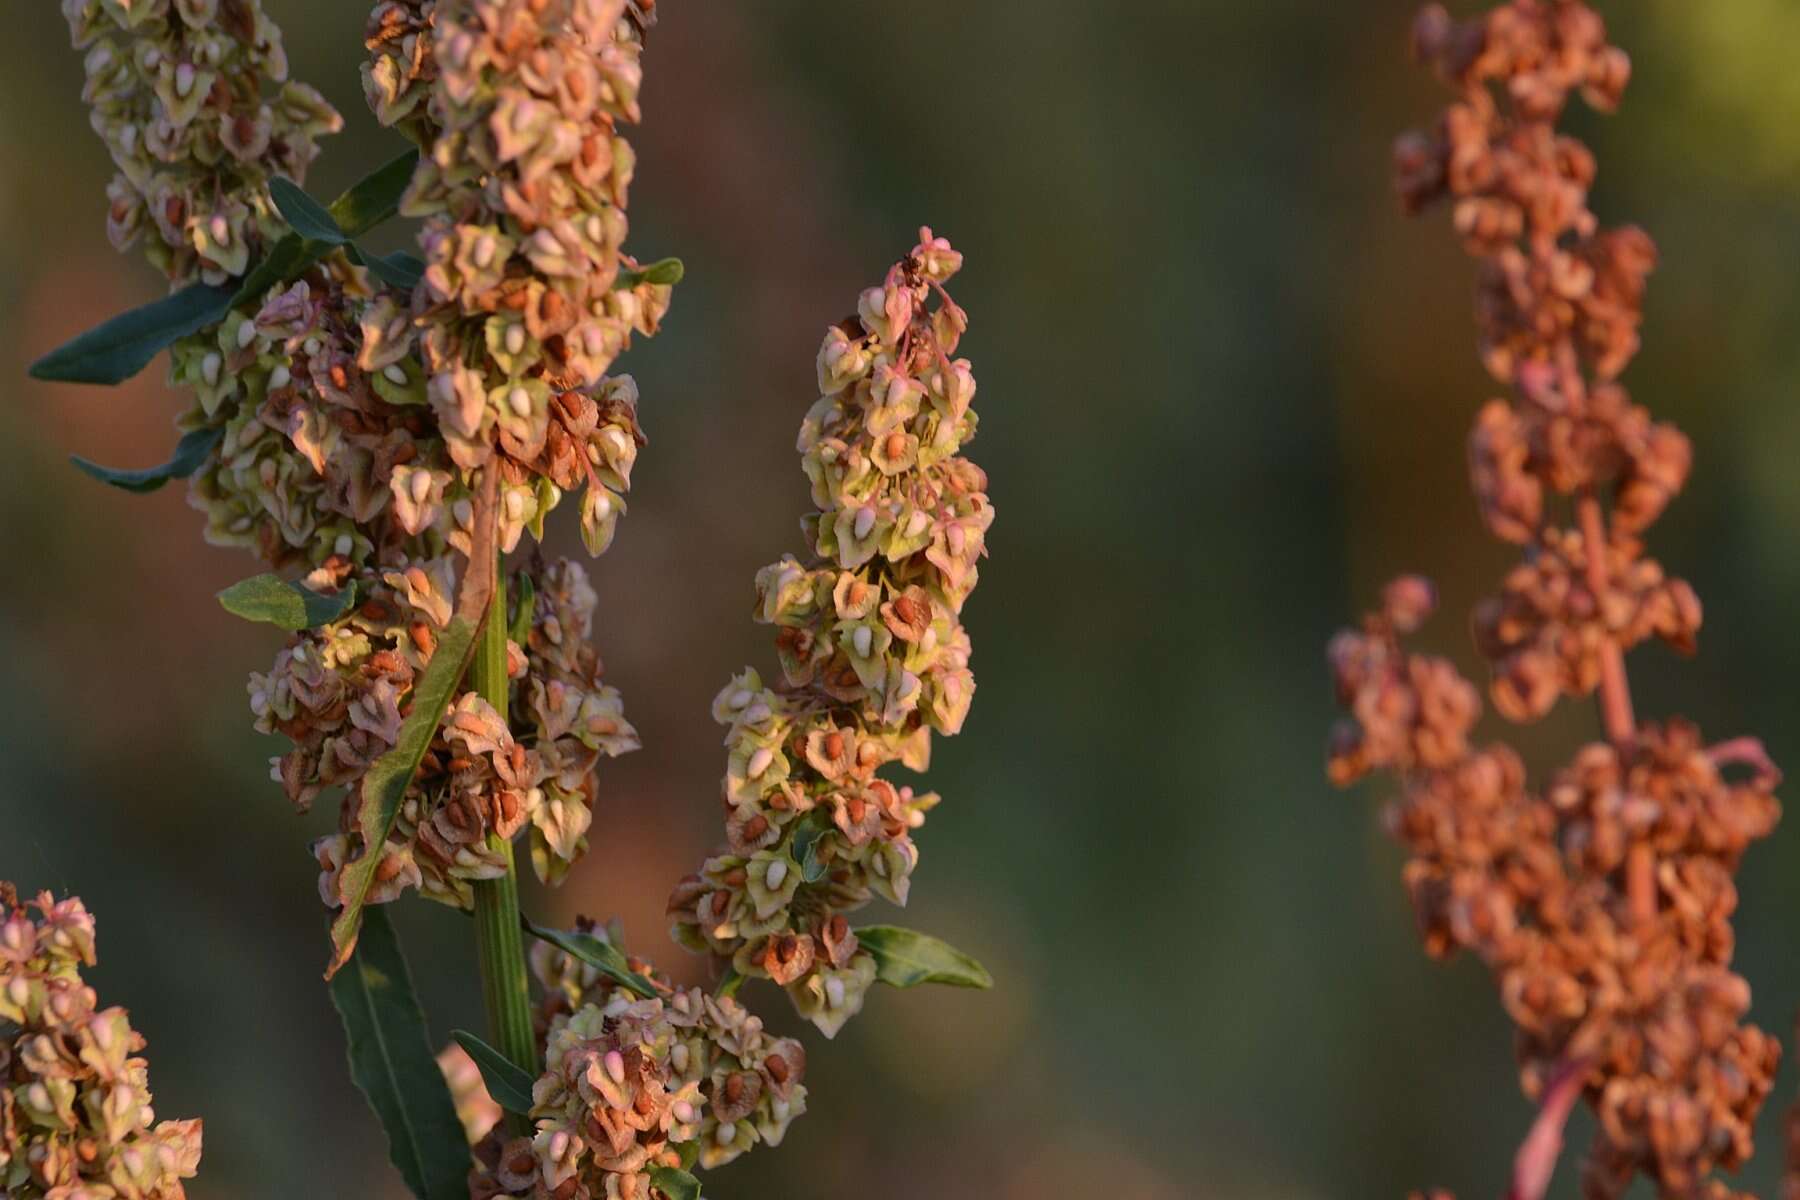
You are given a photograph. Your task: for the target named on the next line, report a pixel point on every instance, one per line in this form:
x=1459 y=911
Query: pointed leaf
x=689 y=1152
x=306 y=216
x=506 y=1081
x=663 y=270
x=675 y=1183
x=375 y=197
x=114 y=352
x=905 y=958
x=392 y=1063
x=598 y=953
x=284 y=603
x=388 y=778
x=398 y=269
x=190 y=452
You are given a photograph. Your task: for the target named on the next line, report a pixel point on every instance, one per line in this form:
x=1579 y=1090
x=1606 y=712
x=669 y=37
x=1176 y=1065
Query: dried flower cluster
x=353 y=417
x=1602 y=902
x=338 y=691
x=179 y=90
x=873 y=656
x=629 y=1081
x=75 y=1115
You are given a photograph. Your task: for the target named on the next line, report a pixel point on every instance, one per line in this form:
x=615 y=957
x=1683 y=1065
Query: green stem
x=499 y=941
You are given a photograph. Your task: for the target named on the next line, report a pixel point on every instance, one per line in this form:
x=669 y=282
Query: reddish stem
x=1615 y=689
x=1536 y=1159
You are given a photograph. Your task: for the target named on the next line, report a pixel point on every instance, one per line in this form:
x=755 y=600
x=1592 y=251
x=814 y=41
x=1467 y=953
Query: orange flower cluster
x=1602 y=902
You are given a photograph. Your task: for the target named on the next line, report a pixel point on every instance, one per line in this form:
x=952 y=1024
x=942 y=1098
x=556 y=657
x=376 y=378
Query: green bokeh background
x=1224 y=389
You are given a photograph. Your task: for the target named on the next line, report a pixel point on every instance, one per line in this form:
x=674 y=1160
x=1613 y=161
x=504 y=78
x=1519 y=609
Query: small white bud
x=519 y=400
x=615 y=1066
x=862 y=641
x=834 y=992
x=394 y=373
x=865 y=521
x=280 y=377
x=725 y=1134
x=420 y=486
x=209 y=368
x=514 y=339
x=776 y=874
x=739 y=698
x=184 y=79
x=246 y=334
x=344 y=544
x=759 y=762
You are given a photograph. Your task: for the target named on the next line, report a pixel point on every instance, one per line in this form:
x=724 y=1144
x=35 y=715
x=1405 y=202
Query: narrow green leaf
x=370 y=201
x=663 y=270
x=283 y=603
x=388 y=778
x=905 y=958
x=306 y=216
x=675 y=1183
x=690 y=1153
x=392 y=1063
x=398 y=269
x=115 y=351
x=507 y=1082
x=598 y=953
x=375 y=197
x=190 y=452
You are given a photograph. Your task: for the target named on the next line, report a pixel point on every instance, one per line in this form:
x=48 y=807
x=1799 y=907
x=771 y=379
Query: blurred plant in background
x=1602 y=905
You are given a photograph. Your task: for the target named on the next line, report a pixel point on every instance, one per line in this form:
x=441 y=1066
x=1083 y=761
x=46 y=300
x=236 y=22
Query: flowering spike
x=873 y=655
x=1602 y=902
x=75 y=1115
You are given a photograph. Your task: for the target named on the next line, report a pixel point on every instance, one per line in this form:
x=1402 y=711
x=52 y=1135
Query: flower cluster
x=75 y=1115
x=873 y=655
x=338 y=692
x=1601 y=901
x=1602 y=906
x=178 y=95
x=352 y=418
x=523 y=189
x=632 y=1083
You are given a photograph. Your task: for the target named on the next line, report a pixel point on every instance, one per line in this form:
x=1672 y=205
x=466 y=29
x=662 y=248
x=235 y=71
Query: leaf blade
x=663 y=270
x=375 y=197
x=906 y=958
x=390 y=775
x=676 y=1183
x=189 y=453
x=304 y=215
x=506 y=1081
x=272 y=600
x=115 y=350
x=391 y=1062
x=598 y=953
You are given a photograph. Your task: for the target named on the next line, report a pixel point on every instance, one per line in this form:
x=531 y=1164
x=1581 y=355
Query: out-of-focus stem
x=499 y=941
x=1615 y=689
x=1536 y=1159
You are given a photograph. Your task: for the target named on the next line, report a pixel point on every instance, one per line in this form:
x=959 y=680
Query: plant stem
x=499 y=941
x=1615 y=690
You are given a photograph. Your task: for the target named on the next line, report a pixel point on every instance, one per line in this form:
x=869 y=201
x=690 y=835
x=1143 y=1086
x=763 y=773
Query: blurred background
x=1224 y=389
